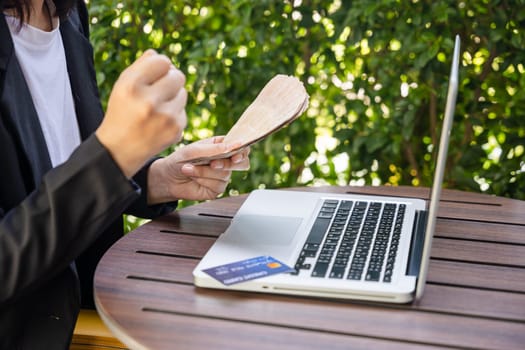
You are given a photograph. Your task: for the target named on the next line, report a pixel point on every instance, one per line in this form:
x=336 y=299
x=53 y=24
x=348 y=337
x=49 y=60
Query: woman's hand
x=171 y=178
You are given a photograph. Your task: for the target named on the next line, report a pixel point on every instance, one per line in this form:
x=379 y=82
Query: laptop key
x=308 y=253
x=372 y=275
x=337 y=271
x=320 y=269
x=311 y=246
x=318 y=231
x=354 y=275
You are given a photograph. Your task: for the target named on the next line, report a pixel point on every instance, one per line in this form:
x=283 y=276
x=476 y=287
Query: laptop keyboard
x=352 y=239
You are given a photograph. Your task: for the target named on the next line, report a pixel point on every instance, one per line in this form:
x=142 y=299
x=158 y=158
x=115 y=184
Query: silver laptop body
x=340 y=245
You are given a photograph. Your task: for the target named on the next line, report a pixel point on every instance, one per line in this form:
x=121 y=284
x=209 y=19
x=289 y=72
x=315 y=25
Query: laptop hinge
x=416 y=245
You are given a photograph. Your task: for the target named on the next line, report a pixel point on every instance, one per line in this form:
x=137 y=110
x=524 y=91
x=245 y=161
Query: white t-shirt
x=43 y=62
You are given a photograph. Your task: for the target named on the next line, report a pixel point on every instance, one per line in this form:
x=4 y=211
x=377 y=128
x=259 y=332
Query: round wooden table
x=474 y=297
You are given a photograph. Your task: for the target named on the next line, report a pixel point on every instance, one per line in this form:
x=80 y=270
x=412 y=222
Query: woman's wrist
x=158 y=191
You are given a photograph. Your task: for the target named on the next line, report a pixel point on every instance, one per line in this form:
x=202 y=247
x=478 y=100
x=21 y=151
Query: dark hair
x=22 y=8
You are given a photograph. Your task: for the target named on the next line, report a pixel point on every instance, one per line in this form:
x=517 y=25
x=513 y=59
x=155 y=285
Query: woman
x=69 y=170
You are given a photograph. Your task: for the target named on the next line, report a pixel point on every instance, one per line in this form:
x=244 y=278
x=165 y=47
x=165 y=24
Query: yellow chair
x=91 y=333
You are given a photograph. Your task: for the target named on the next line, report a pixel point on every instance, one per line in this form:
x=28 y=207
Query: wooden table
x=474 y=298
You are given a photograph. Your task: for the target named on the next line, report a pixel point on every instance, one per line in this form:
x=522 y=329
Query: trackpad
x=264 y=229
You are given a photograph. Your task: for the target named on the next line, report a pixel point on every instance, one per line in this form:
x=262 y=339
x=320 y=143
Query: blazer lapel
x=79 y=58
x=17 y=109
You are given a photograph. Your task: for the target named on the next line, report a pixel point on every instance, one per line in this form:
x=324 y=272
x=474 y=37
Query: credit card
x=246 y=270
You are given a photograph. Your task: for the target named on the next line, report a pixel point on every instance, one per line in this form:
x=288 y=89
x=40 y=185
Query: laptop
x=341 y=246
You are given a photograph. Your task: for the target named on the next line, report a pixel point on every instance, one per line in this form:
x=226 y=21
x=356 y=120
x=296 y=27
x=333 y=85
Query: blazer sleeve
x=62 y=217
x=140 y=207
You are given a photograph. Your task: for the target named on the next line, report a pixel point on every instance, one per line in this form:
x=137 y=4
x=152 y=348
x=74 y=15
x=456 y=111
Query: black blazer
x=55 y=224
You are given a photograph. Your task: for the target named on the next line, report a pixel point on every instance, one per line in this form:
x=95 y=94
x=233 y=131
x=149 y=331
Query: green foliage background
x=376 y=72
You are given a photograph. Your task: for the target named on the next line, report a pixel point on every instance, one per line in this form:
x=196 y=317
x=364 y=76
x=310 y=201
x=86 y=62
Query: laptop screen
x=440 y=168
